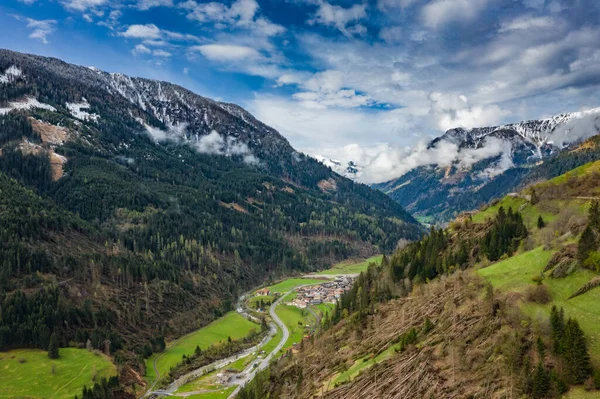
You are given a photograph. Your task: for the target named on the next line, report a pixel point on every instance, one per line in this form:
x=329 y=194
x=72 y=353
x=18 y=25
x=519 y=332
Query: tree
x=540 y=222
x=578 y=366
x=557 y=322
x=540 y=382
x=534 y=197
x=587 y=244
x=53 y=347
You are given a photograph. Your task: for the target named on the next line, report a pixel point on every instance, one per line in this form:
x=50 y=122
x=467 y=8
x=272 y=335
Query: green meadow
x=231 y=325
x=351 y=267
x=515 y=275
x=291 y=283
x=291 y=316
x=27 y=373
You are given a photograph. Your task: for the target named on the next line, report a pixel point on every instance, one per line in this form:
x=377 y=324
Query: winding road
x=250 y=371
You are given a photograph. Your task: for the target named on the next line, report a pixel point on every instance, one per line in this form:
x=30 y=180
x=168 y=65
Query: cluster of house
x=328 y=292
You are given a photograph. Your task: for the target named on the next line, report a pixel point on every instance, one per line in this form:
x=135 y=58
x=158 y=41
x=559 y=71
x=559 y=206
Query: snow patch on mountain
x=348 y=169
x=26 y=103
x=10 y=74
x=77 y=110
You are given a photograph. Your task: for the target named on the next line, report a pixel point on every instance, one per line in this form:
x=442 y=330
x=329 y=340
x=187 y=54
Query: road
x=250 y=372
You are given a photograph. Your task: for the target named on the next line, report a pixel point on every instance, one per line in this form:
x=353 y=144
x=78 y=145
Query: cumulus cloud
x=343 y=19
x=441 y=12
x=241 y=14
x=140 y=49
x=82 y=5
x=148 y=4
x=527 y=23
x=148 y=31
x=451 y=111
x=226 y=52
x=391 y=35
x=161 y=53
x=41 y=29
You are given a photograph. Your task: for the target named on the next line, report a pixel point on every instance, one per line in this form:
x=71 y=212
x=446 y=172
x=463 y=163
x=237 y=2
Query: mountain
x=350 y=169
x=490 y=162
x=488 y=307
x=134 y=210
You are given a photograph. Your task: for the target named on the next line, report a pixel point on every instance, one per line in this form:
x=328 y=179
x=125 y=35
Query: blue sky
x=346 y=79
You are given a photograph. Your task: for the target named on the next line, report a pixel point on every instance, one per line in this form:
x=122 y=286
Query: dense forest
x=113 y=239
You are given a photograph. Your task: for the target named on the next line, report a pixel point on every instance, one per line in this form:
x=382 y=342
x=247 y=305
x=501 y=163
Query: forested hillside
x=122 y=225
x=502 y=303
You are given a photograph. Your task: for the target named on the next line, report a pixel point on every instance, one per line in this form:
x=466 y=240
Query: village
x=329 y=292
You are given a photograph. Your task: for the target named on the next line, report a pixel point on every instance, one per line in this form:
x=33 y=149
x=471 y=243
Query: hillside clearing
x=27 y=373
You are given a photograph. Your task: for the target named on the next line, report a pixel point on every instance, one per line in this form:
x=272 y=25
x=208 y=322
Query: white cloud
x=82 y=5
x=140 y=49
x=226 y=52
x=391 y=35
x=241 y=14
x=440 y=12
x=215 y=144
x=28 y=2
x=161 y=53
x=343 y=19
x=148 y=31
x=148 y=4
x=451 y=111
x=528 y=23
x=41 y=28
x=186 y=71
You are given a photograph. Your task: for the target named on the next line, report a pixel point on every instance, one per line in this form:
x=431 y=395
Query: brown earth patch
x=50 y=134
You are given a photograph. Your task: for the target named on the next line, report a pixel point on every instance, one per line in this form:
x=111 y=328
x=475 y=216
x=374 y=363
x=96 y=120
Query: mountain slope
x=176 y=204
x=479 y=327
x=493 y=161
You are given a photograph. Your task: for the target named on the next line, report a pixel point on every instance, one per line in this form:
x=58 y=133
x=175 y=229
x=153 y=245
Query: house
x=263 y=292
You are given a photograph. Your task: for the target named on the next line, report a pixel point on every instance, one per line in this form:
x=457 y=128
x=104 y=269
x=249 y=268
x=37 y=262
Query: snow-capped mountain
x=125 y=119
x=348 y=169
x=490 y=162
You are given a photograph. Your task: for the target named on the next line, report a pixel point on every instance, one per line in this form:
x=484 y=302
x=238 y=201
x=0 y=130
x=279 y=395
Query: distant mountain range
x=493 y=161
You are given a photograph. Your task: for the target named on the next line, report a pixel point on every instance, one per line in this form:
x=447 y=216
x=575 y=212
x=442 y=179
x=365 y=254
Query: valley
x=222 y=378
x=158 y=243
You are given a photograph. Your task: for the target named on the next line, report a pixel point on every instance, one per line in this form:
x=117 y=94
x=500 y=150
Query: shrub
x=538 y=294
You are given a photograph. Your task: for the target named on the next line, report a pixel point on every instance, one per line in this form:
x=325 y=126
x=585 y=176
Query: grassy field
x=291 y=283
x=34 y=378
x=291 y=315
x=351 y=267
x=515 y=275
x=231 y=325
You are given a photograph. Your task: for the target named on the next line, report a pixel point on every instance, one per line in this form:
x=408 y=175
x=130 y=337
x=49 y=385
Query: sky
x=350 y=80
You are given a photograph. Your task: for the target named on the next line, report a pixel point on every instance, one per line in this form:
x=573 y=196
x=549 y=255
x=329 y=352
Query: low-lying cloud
x=212 y=144
x=392 y=162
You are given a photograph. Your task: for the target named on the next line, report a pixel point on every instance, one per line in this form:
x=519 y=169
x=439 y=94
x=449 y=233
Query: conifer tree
x=53 y=347
x=575 y=353
x=540 y=382
x=540 y=222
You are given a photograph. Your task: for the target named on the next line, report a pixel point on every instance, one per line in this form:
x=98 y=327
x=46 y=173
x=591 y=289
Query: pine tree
x=53 y=347
x=575 y=353
x=540 y=382
x=587 y=244
x=540 y=222
x=534 y=197
x=557 y=322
